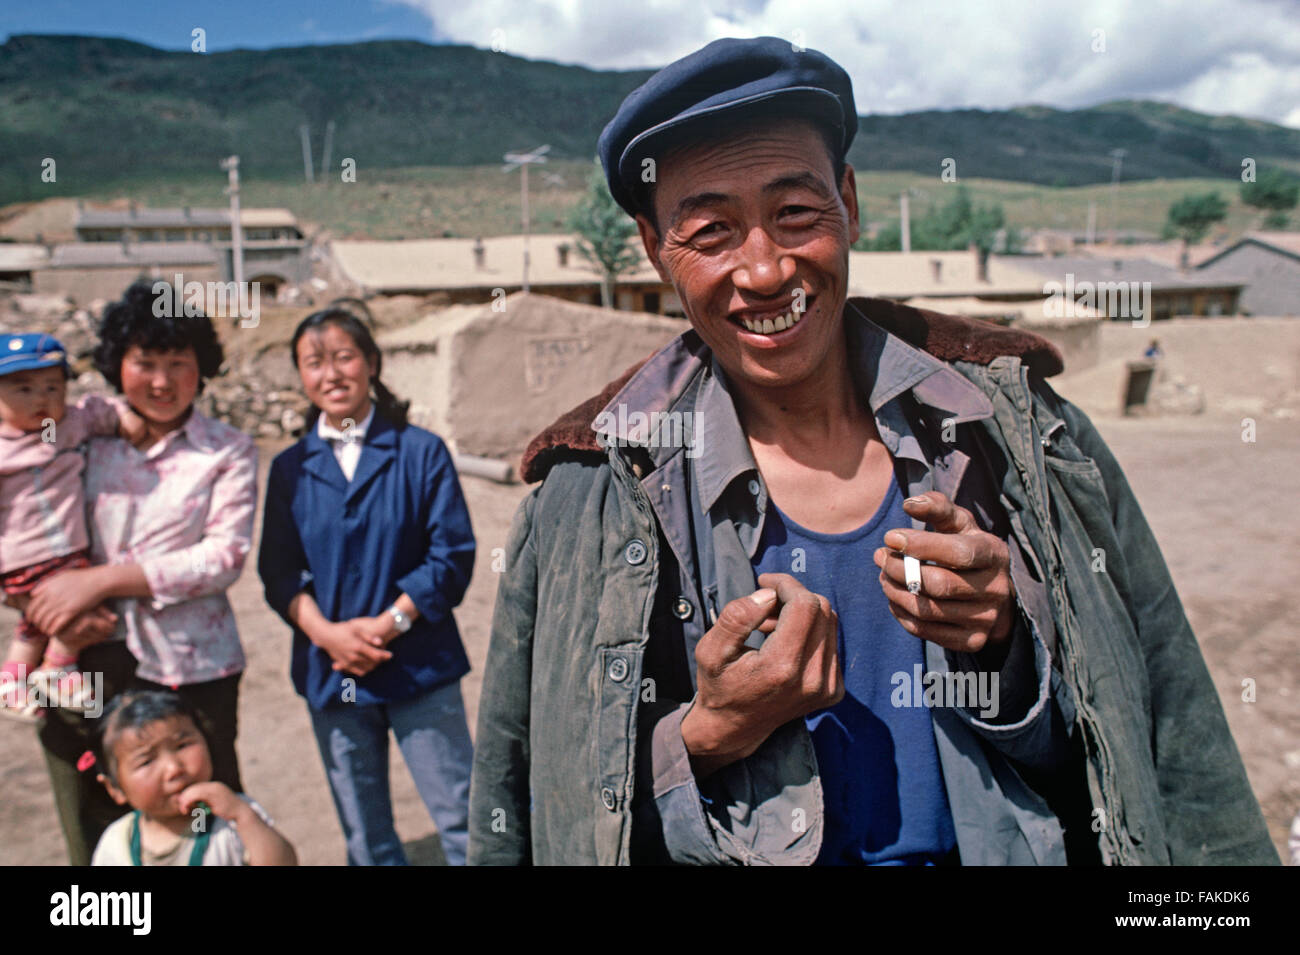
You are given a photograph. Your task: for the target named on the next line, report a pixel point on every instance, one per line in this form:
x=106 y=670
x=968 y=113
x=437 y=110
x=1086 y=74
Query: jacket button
x=682 y=609
x=635 y=553
x=753 y=487
x=607 y=798
x=618 y=670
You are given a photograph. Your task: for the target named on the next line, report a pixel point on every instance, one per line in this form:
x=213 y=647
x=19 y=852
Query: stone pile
x=237 y=399
x=75 y=328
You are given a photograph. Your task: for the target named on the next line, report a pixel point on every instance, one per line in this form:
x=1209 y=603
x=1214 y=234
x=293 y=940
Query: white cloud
x=1216 y=56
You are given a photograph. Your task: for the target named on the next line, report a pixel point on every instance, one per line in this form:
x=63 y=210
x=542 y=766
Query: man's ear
x=849 y=193
x=650 y=242
x=119 y=797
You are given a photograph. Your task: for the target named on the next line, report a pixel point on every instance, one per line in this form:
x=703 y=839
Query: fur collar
x=946 y=337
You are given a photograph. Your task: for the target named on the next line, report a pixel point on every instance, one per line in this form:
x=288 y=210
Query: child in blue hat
x=42 y=509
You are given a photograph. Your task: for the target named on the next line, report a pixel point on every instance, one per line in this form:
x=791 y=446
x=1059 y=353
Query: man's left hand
x=967 y=600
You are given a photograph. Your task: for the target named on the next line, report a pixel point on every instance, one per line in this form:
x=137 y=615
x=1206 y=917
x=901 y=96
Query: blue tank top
x=885 y=799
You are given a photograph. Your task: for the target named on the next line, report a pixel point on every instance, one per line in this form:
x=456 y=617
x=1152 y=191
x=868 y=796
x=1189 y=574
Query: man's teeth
x=767 y=326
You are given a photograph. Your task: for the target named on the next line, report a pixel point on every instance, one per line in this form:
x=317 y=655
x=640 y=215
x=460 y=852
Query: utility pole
x=304 y=131
x=522 y=161
x=231 y=165
x=905 y=219
x=325 y=152
x=1118 y=156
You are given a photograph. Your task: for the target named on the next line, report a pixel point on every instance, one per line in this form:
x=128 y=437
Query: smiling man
x=725 y=657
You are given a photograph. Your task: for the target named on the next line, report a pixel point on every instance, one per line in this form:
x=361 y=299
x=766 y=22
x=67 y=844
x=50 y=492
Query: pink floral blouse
x=183 y=510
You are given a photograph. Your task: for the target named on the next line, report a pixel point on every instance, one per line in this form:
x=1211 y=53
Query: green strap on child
x=200 y=844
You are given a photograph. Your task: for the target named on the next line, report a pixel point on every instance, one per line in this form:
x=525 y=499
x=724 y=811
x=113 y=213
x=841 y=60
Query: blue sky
x=1214 y=56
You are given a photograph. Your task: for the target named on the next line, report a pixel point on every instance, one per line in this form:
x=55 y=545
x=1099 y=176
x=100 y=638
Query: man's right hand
x=744 y=694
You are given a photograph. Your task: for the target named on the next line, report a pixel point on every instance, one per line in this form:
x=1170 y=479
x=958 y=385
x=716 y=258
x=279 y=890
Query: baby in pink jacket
x=42 y=508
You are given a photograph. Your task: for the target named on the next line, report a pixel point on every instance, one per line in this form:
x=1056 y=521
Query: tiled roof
x=144 y=217
x=1088 y=269
x=113 y=254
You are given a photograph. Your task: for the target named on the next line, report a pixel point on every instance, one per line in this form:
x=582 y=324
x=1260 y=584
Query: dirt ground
x=1224 y=511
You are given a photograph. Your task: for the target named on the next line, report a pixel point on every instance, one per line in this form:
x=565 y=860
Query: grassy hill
x=110 y=110
x=1072 y=147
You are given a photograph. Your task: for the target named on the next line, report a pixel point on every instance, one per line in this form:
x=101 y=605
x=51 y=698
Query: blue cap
x=727 y=75
x=23 y=352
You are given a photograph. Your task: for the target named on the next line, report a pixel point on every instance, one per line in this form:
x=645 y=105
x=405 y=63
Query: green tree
x=983 y=228
x=1275 y=192
x=955 y=225
x=1191 y=216
x=604 y=235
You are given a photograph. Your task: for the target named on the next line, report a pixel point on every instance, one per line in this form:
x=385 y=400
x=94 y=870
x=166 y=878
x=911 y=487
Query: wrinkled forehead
x=741 y=158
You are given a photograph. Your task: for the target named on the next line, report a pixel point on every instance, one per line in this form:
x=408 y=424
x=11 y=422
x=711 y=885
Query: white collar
x=327 y=432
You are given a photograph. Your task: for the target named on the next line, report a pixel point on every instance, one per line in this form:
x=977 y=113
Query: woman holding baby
x=170 y=525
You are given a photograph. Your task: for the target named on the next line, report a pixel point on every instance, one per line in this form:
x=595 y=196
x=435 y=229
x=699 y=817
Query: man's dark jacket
x=588 y=599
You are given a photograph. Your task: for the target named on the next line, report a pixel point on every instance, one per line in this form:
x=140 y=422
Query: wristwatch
x=402 y=620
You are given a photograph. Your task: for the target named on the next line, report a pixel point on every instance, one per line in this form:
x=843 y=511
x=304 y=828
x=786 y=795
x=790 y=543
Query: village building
x=1120 y=287
x=1170 y=252
x=19 y=261
x=1269 y=264
x=475 y=270
x=471 y=271
x=85 y=271
x=902 y=276
x=274 y=248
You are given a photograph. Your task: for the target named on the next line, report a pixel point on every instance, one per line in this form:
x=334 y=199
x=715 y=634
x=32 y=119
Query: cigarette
x=912 y=571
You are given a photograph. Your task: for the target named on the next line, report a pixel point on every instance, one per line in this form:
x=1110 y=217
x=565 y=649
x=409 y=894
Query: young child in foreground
x=42 y=508
x=154 y=758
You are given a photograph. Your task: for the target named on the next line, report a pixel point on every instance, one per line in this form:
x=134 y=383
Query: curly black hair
x=134 y=320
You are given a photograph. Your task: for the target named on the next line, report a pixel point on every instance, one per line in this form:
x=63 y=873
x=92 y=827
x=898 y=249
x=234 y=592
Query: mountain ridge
x=108 y=109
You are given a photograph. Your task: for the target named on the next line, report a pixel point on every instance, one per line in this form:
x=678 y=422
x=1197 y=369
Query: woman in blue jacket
x=366 y=548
